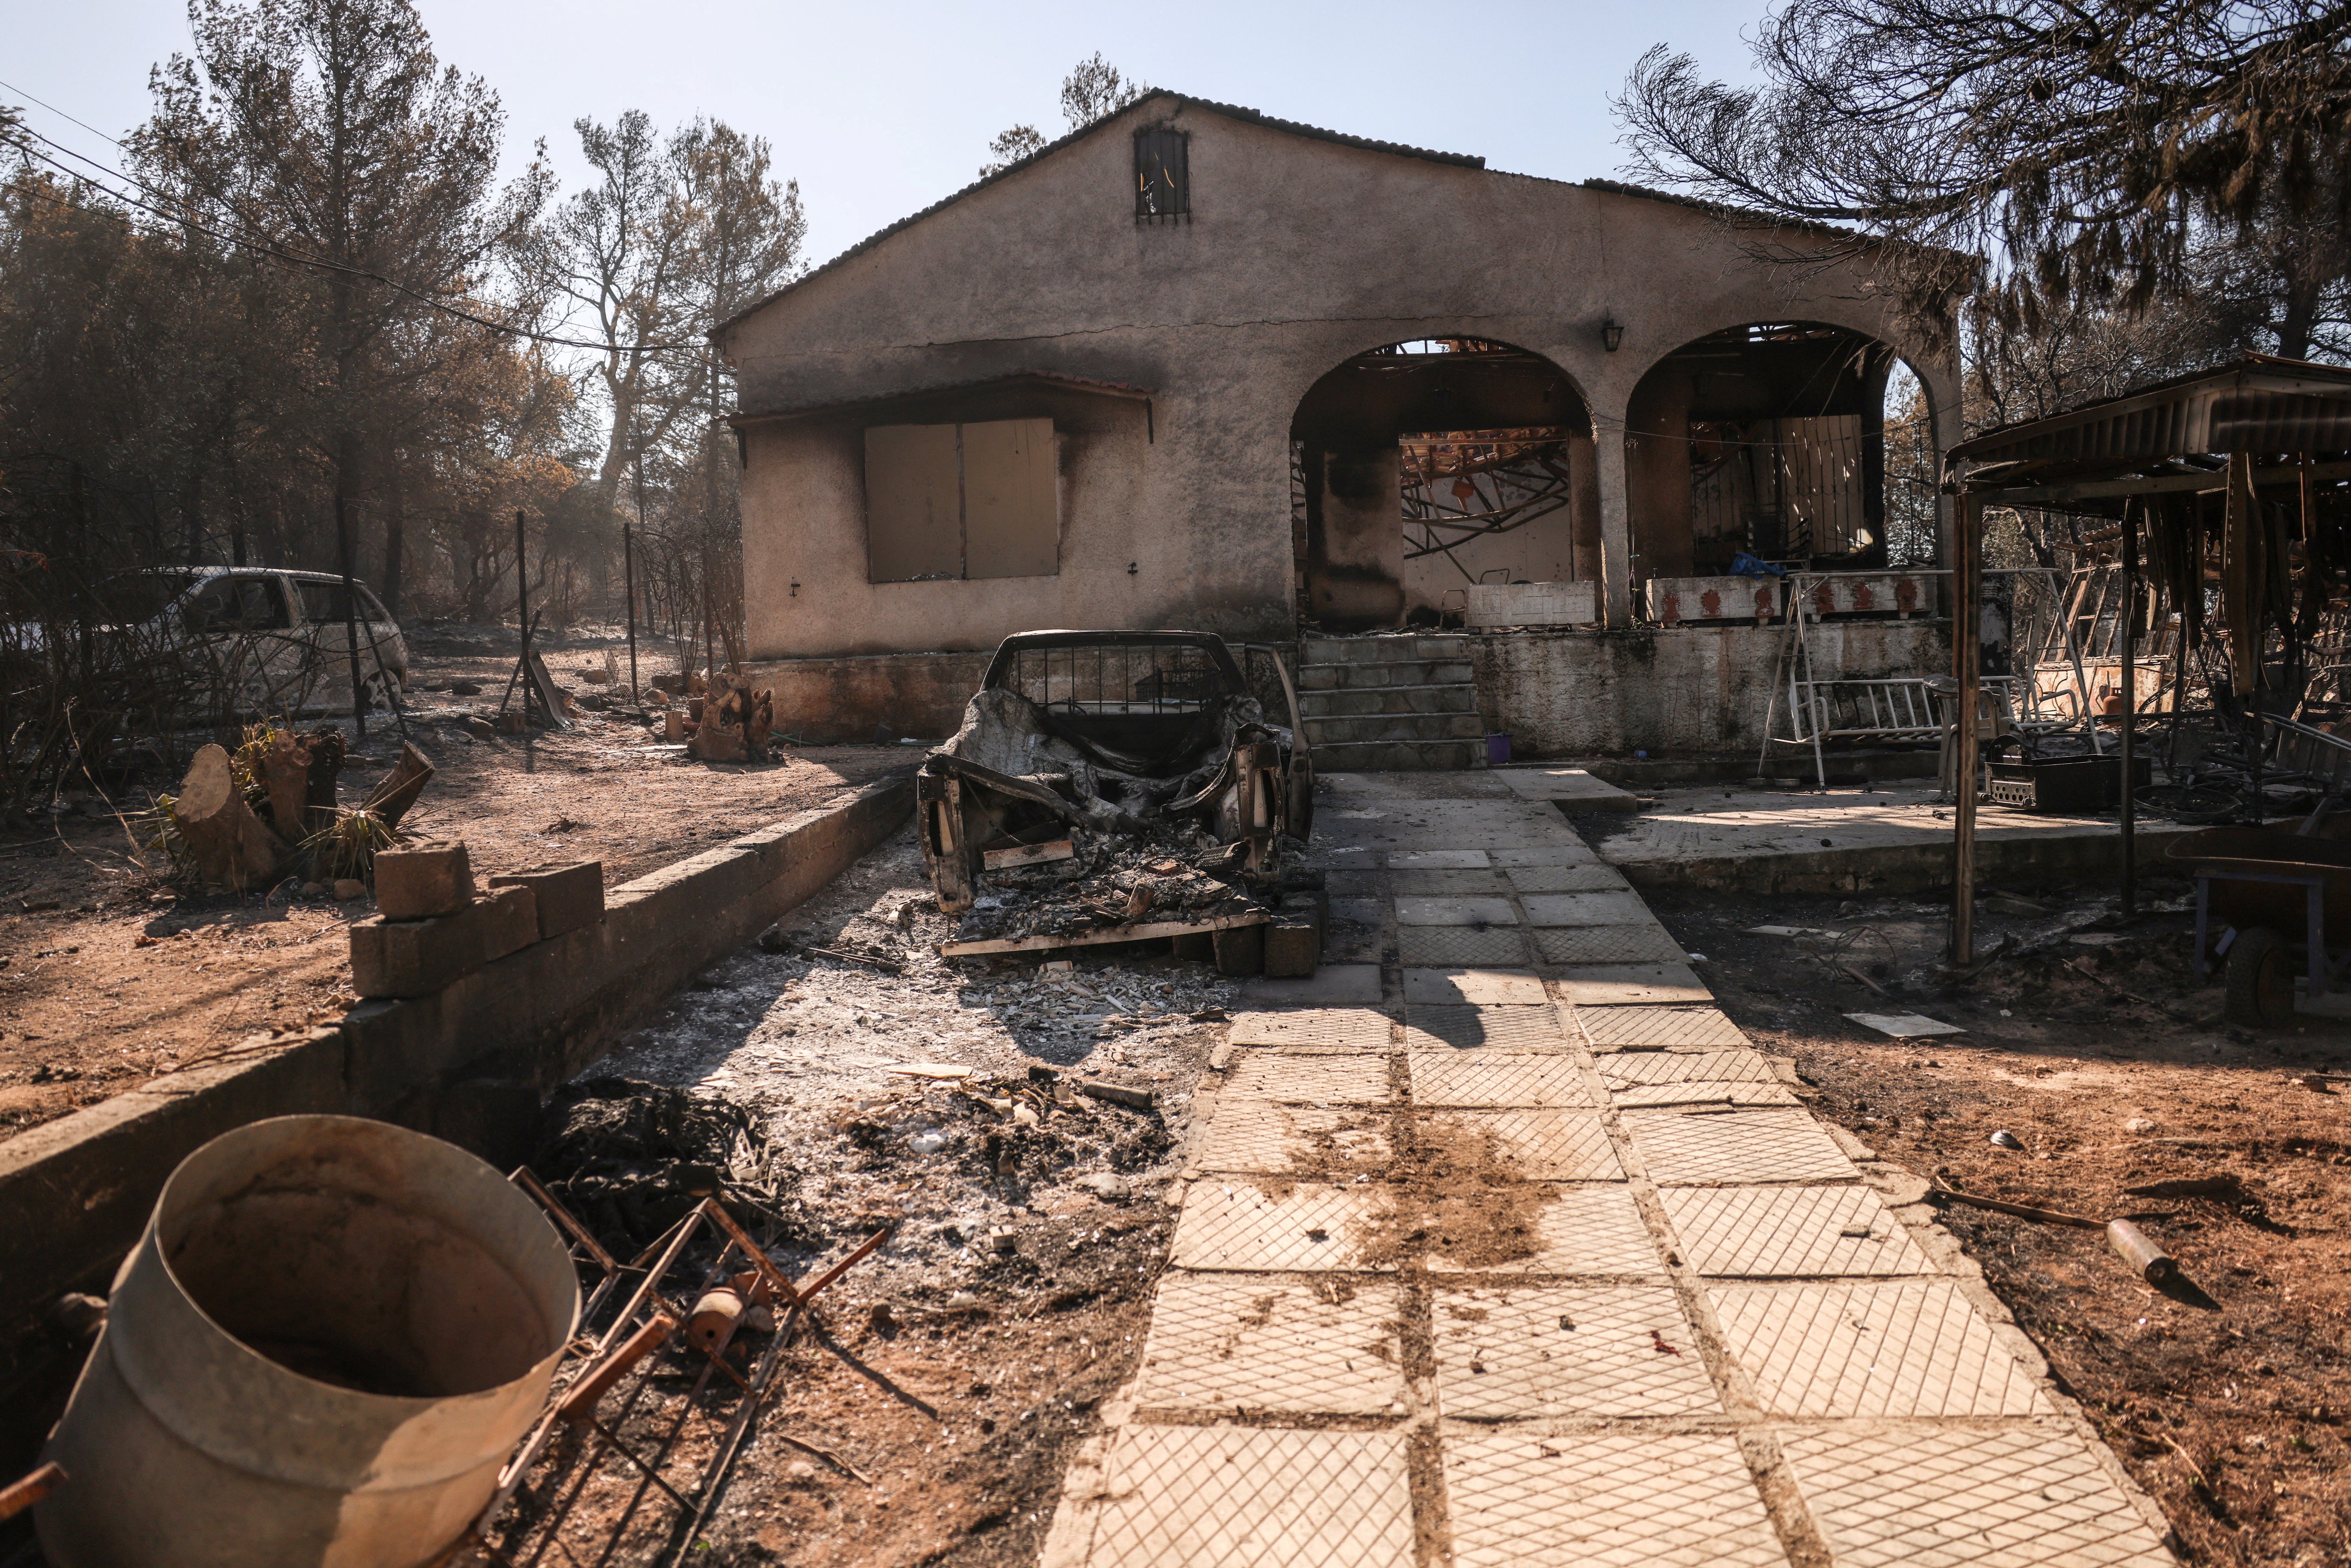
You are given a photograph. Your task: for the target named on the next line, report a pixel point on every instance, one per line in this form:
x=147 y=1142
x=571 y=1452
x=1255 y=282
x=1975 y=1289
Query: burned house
x=1191 y=366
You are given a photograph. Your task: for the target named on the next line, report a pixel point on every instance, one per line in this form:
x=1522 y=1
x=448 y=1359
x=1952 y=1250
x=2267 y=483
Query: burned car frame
x=1142 y=756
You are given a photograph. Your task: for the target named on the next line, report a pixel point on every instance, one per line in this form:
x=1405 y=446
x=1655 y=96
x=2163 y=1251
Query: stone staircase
x=1390 y=703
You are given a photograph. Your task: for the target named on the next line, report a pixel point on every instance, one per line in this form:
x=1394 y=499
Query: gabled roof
x=1180 y=100
x=1253 y=117
x=1725 y=210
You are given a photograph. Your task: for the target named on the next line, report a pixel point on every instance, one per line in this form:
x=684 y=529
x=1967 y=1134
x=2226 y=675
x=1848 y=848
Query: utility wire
x=291 y=259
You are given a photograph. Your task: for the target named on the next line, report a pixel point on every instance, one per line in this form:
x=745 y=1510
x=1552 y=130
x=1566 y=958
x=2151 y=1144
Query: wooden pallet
x=1146 y=932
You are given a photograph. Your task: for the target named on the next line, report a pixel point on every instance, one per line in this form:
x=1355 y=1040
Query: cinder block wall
x=468 y=1064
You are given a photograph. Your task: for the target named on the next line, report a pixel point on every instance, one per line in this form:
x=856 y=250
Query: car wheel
x=2260 y=979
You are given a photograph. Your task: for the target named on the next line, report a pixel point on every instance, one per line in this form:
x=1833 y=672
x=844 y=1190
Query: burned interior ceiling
x=1767 y=439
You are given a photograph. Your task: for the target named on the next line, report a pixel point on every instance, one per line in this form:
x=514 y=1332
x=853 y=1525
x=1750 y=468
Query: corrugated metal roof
x=2259 y=403
x=2281 y=422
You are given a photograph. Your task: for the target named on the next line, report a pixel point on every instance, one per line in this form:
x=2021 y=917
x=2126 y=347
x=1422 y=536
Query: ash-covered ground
x=953 y=1368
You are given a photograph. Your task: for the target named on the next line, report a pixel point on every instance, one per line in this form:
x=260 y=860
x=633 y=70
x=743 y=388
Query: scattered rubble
x=1109 y=880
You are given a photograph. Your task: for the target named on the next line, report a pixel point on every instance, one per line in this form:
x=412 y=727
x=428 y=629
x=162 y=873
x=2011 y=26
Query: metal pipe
x=2130 y=704
x=350 y=611
x=522 y=613
x=1967 y=656
x=629 y=565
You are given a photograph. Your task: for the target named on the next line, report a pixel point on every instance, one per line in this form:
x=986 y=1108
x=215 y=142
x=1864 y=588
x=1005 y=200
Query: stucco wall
x=841 y=701
x=1299 y=254
x=1679 y=690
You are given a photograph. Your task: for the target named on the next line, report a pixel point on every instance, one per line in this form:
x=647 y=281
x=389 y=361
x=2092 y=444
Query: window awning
x=918 y=399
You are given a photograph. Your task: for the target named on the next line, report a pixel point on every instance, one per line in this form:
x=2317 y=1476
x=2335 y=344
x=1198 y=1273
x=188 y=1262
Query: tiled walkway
x=1535 y=1262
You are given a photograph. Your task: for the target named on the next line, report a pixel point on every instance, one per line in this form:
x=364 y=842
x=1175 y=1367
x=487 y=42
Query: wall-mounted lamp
x=1612 y=334
x=796 y=590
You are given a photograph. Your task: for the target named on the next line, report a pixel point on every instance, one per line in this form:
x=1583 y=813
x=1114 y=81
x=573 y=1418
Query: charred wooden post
x=390 y=799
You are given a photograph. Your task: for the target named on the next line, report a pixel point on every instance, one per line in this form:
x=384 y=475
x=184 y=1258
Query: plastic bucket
x=1498 y=750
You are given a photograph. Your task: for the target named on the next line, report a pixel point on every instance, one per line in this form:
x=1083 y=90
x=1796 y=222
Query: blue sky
x=881 y=109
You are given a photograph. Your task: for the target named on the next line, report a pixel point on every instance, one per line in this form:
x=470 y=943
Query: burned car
x=1117 y=786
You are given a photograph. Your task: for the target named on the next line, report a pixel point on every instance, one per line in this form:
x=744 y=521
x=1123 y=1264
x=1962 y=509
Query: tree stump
x=286 y=778
x=229 y=844
x=327 y=747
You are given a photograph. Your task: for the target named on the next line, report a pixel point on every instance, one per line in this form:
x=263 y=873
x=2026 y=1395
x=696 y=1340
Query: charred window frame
x=1163 y=175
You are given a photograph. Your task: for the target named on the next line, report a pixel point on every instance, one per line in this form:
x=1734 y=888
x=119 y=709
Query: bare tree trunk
x=2300 y=316
x=396 y=519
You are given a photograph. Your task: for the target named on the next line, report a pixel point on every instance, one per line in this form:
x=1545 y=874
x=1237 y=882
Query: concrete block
x=569 y=896
x=1240 y=950
x=422 y=881
x=414 y=957
x=1294 y=944
x=509 y=918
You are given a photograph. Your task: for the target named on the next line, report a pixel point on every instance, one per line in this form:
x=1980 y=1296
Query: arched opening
x=1772 y=440
x=1421 y=468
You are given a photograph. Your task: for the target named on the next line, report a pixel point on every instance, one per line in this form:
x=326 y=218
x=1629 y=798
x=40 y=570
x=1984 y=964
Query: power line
x=277 y=253
x=61 y=114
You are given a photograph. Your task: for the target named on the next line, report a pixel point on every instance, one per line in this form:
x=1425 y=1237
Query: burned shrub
x=630 y=1159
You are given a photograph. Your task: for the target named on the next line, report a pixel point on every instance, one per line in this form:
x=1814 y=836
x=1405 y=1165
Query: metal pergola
x=2247 y=431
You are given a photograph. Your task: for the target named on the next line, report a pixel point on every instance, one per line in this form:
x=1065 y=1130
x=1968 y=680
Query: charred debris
x=1120 y=787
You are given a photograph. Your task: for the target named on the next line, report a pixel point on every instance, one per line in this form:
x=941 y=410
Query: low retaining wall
x=1683 y=689
x=470 y=1064
x=2024 y=855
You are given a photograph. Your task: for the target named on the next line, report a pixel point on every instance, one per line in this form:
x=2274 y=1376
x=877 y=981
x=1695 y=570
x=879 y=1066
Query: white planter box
x=1532 y=604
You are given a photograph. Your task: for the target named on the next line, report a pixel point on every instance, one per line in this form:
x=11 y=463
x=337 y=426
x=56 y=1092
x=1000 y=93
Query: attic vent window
x=1163 y=176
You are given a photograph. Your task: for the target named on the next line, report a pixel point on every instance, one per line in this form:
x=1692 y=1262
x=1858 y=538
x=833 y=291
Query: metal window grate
x=1110 y=679
x=1163 y=175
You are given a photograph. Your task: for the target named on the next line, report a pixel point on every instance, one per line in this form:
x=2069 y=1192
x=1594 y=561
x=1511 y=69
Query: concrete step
x=1399 y=756
x=1394 y=727
x=1386 y=673
x=1389 y=699
x=1381 y=650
